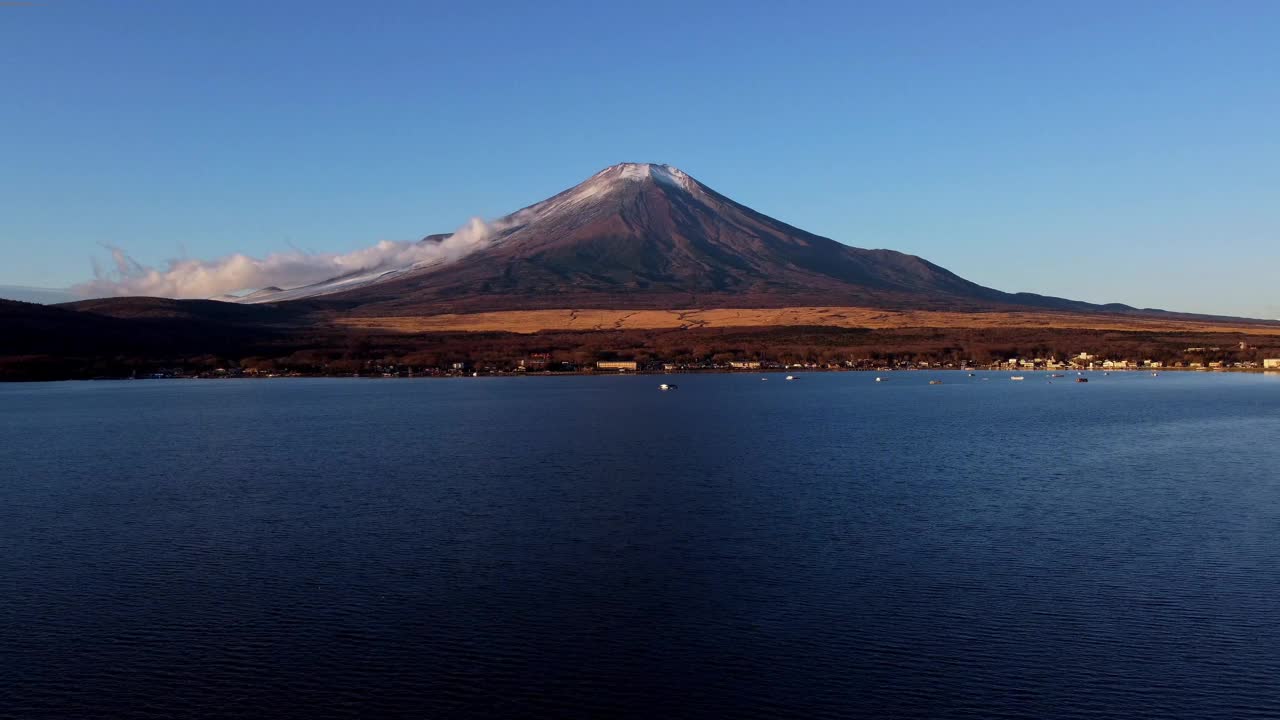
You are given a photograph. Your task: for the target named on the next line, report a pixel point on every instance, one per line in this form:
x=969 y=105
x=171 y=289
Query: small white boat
x=668 y=386
x=882 y=379
x=791 y=377
x=1017 y=377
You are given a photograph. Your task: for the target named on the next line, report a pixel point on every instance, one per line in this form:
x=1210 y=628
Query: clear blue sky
x=1101 y=151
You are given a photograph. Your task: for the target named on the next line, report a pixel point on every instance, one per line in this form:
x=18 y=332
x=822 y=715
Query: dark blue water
x=591 y=547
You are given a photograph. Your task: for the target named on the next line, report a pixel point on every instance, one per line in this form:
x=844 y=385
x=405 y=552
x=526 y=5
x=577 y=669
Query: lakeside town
x=546 y=364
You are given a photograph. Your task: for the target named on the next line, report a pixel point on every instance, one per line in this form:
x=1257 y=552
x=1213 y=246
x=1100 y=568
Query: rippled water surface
x=592 y=547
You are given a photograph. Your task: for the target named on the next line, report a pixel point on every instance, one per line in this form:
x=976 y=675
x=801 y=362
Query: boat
x=1082 y=379
x=791 y=377
x=668 y=386
x=972 y=375
x=882 y=379
x=1017 y=377
x=935 y=382
x=1056 y=375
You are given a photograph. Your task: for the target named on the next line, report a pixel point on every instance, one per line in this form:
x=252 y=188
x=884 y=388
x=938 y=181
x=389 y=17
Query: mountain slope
x=639 y=235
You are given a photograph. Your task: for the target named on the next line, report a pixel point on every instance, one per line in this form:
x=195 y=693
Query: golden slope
x=529 y=321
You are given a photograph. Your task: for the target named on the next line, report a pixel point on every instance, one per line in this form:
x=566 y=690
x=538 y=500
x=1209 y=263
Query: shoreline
x=656 y=373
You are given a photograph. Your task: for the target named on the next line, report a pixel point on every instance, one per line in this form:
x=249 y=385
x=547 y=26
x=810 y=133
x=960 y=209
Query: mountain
x=640 y=235
x=639 y=260
x=111 y=337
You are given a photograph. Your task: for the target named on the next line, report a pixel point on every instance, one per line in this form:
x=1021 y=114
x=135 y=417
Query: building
x=1271 y=364
x=744 y=364
x=619 y=365
x=536 y=361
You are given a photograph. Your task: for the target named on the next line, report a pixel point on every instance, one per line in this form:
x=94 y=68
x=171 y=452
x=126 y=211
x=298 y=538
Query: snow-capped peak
x=609 y=181
x=665 y=174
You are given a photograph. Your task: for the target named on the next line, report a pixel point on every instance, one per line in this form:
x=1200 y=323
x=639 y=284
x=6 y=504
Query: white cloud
x=236 y=273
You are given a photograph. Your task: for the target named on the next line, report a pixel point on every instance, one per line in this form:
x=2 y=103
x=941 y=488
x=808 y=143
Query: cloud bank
x=237 y=273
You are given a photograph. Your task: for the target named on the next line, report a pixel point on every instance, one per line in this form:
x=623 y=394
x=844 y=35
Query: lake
x=592 y=547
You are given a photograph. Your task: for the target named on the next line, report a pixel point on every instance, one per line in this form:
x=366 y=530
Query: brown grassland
x=532 y=321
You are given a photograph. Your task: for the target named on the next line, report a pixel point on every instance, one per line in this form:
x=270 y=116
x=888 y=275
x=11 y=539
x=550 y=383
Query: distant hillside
x=52 y=342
